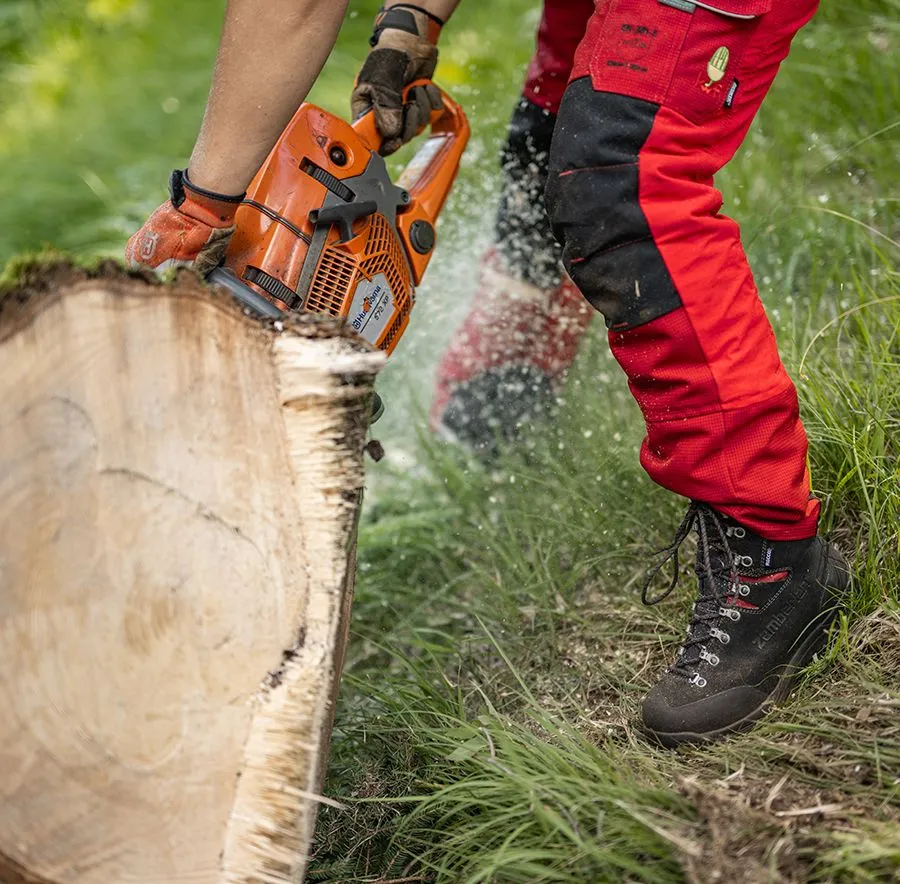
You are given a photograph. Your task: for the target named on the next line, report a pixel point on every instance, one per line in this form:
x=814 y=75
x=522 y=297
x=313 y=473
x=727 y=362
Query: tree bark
x=179 y=490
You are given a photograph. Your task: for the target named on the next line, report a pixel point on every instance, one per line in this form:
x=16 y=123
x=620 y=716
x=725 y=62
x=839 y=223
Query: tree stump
x=179 y=489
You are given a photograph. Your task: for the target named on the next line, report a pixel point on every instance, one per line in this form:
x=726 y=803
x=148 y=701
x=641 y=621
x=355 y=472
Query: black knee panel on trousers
x=522 y=230
x=593 y=202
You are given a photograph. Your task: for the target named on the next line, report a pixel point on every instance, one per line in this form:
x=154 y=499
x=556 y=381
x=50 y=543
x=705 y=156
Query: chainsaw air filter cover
x=324 y=229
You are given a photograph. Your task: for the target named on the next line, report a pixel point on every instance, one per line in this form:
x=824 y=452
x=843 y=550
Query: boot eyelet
x=712 y=659
x=744 y=561
x=698 y=680
x=744 y=590
x=719 y=634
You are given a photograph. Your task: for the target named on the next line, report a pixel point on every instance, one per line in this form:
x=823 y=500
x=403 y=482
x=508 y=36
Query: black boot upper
x=761 y=613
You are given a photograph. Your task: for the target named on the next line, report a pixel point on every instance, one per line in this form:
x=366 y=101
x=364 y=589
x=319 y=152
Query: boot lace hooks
x=714 y=560
x=701 y=516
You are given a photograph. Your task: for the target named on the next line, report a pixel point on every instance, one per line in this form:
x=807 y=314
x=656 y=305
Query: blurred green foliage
x=103 y=98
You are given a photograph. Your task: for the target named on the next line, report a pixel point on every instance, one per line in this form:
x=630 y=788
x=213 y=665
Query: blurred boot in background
x=508 y=359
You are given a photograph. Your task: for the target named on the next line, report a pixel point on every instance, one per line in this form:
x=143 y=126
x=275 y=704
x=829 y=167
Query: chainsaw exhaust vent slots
x=349 y=242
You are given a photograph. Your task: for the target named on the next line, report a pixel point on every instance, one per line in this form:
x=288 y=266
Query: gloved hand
x=192 y=229
x=403 y=50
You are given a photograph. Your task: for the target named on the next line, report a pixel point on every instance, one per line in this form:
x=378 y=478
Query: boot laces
x=718 y=581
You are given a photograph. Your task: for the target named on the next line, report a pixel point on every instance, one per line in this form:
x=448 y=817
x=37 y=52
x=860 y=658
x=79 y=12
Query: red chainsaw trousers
x=659 y=98
x=562 y=28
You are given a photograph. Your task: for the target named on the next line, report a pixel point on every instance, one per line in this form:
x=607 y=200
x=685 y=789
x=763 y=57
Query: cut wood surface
x=179 y=489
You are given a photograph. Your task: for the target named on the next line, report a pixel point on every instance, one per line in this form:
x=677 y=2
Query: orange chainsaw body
x=323 y=228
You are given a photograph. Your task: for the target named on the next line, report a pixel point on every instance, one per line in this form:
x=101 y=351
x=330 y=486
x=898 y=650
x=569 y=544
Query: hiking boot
x=509 y=358
x=763 y=611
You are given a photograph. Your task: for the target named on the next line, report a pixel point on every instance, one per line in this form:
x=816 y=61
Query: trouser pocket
x=677 y=53
x=638 y=48
x=706 y=79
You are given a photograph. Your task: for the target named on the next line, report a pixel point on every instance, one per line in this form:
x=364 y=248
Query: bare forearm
x=270 y=55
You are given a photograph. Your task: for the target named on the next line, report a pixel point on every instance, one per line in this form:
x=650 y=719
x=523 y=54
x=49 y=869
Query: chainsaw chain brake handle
x=427 y=177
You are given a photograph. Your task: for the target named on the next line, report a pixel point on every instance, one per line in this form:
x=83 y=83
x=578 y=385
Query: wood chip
x=823 y=809
x=773 y=793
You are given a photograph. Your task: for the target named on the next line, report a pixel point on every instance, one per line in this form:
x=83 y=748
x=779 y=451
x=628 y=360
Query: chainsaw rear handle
x=367 y=128
x=429 y=175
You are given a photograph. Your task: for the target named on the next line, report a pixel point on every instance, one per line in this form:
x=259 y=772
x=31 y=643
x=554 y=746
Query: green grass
x=487 y=727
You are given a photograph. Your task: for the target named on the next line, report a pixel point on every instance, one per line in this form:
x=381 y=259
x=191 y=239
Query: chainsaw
x=323 y=228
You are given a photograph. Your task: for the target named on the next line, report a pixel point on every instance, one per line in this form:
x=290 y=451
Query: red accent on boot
x=512 y=323
x=776 y=577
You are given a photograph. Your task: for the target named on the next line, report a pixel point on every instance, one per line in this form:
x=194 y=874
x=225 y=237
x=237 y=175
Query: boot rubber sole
x=837 y=578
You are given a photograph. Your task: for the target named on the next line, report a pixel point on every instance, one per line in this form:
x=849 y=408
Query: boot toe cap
x=673 y=716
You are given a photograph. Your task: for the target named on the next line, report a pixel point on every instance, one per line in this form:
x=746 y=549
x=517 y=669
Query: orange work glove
x=403 y=50
x=192 y=229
